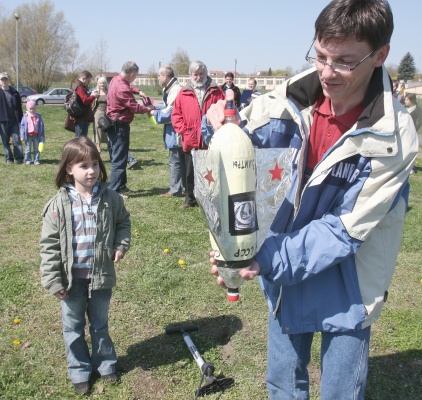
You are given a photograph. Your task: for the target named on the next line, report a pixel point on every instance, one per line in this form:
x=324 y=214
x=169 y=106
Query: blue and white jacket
x=329 y=257
x=163 y=114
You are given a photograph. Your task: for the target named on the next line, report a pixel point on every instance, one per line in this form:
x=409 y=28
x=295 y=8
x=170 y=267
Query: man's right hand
x=215 y=114
x=246 y=273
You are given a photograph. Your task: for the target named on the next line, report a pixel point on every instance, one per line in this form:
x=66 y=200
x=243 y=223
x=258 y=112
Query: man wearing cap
x=10 y=118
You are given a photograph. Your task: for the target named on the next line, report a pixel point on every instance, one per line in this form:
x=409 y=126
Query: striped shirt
x=84 y=229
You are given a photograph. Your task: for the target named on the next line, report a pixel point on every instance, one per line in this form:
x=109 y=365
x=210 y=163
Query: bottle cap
x=232 y=295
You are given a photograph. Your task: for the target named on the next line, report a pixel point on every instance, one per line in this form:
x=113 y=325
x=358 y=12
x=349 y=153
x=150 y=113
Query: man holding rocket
x=329 y=257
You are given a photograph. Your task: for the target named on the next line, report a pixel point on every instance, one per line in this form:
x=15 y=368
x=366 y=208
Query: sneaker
x=110 y=378
x=37 y=163
x=28 y=162
x=9 y=162
x=124 y=189
x=82 y=387
x=132 y=164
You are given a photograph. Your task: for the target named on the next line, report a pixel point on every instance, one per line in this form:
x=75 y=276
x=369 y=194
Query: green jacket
x=113 y=232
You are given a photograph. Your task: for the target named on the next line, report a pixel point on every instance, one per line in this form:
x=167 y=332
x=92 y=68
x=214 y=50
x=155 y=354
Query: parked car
x=52 y=96
x=24 y=91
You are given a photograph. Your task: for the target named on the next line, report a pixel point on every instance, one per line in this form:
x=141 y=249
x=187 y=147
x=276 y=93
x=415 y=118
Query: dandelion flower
x=16 y=321
x=166 y=251
x=181 y=262
x=16 y=342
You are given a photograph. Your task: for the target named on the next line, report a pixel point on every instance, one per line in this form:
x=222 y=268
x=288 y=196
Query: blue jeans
x=344 y=363
x=118 y=148
x=32 y=141
x=81 y=128
x=103 y=358
x=177 y=170
x=8 y=131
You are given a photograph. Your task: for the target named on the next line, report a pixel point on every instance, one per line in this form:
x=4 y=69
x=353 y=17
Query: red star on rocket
x=276 y=172
x=209 y=177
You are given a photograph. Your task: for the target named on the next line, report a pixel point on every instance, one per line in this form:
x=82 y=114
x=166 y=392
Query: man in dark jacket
x=230 y=85
x=10 y=118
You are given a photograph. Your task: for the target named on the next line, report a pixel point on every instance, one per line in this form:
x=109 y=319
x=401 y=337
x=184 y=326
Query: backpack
x=73 y=104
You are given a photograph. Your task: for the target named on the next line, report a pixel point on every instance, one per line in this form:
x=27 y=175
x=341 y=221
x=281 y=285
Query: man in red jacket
x=191 y=104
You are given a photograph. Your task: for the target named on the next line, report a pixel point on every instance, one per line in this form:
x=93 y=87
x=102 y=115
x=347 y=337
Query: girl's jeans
x=103 y=358
x=344 y=363
x=32 y=141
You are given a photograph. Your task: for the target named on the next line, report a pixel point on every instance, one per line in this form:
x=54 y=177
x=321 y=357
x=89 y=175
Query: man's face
x=229 y=80
x=85 y=80
x=131 y=77
x=5 y=82
x=347 y=88
x=251 y=84
x=198 y=77
x=163 y=79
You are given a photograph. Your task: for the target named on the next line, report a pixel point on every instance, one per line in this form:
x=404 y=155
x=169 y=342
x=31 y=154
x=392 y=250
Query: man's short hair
x=85 y=74
x=368 y=21
x=253 y=79
x=130 y=67
x=196 y=65
x=229 y=74
x=167 y=71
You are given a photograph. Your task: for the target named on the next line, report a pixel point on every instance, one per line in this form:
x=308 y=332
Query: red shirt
x=327 y=128
x=121 y=102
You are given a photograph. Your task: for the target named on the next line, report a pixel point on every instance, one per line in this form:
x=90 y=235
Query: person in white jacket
x=329 y=257
x=172 y=141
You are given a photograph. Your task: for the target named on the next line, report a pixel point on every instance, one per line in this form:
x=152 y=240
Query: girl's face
x=85 y=174
x=32 y=109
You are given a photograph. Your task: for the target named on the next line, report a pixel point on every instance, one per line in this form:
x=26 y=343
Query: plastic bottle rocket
x=41 y=147
x=231 y=158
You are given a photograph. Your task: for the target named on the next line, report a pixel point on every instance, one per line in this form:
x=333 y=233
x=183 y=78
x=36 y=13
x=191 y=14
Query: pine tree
x=407 y=69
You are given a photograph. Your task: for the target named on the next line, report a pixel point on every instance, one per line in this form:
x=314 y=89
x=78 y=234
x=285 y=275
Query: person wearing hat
x=10 y=118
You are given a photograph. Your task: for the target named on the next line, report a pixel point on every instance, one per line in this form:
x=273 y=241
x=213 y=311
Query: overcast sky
x=258 y=34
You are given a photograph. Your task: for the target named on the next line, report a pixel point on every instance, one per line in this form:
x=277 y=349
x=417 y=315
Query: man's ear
x=381 y=55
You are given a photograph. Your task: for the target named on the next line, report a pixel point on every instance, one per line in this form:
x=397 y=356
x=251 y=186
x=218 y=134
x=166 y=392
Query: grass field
x=155 y=291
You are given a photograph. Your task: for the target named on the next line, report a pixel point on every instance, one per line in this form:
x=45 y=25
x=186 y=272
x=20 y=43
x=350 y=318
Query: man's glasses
x=336 y=67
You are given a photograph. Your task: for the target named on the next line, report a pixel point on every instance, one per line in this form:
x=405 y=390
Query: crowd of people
x=329 y=258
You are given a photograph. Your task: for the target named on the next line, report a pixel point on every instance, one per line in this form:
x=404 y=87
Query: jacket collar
x=378 y=114
x=170 y=84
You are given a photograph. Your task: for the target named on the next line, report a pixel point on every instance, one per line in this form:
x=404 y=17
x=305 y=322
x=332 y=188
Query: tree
x=180 y=62
x=270 y=73
x=95 y=60
x=46 y=44
x=407 y=69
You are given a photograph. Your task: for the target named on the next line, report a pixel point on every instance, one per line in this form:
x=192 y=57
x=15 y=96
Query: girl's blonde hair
x=101 y=79
x=74 y=151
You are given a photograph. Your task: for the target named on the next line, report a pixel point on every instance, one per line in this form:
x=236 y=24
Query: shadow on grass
x=395 y=376
x=168 y=349
x=150 y=192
